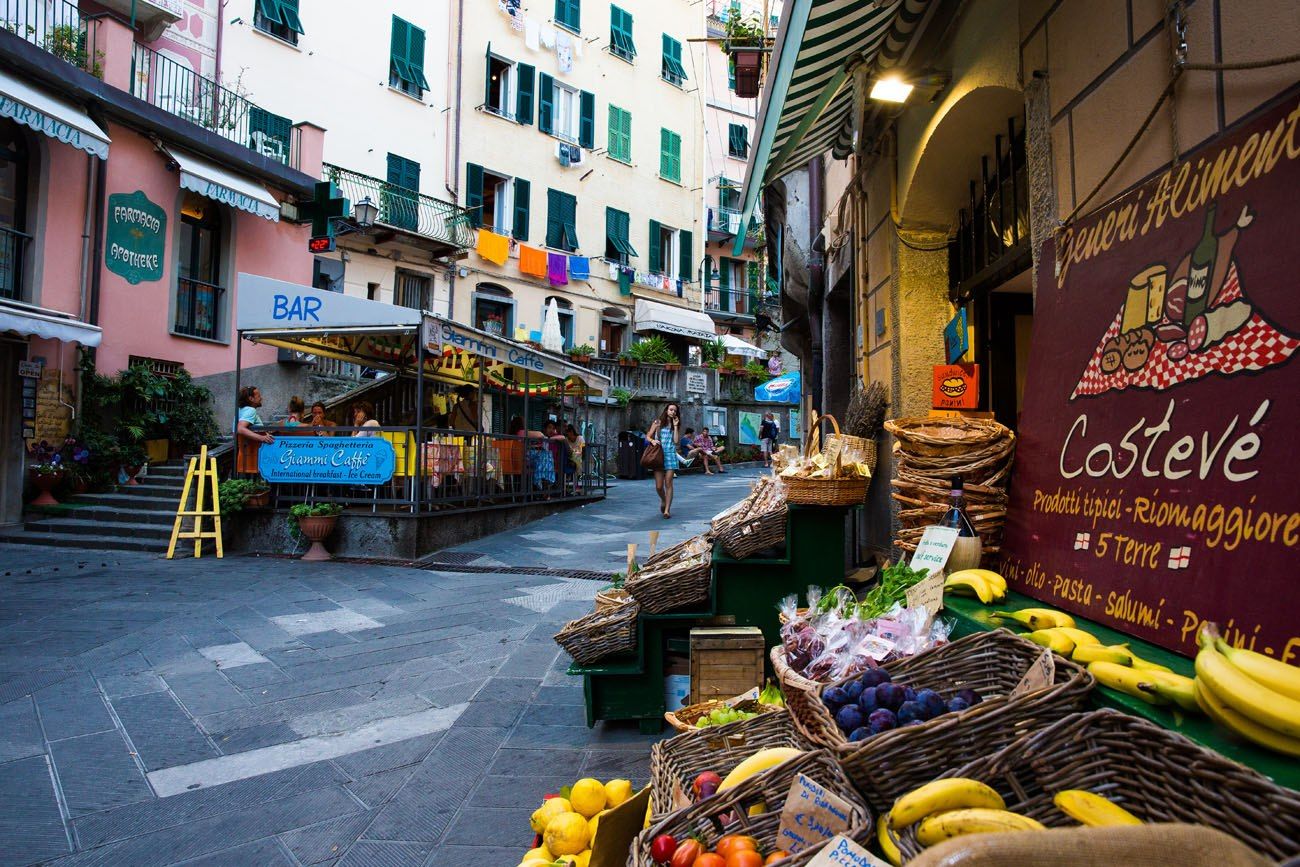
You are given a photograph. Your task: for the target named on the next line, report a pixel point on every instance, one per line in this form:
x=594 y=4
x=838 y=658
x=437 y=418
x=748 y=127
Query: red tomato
x=778 y=855
x=744 y=858
x=735 y=843
x=710 y=859
x=686 y=853
x=663 y=847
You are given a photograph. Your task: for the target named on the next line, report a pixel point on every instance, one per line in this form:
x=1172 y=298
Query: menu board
x=53 y=418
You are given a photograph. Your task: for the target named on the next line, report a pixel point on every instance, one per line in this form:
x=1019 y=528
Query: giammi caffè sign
x=1155 y=481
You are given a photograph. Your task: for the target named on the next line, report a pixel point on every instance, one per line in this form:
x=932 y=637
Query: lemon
x=540 y=852
x=617 y=791
x=535 y=862
x=566 y=834
x=549 y=809
x=591 y=825
x=587 y=797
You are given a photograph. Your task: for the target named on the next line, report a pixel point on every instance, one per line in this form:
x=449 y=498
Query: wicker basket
x=754 y=533
x=612 y=597
x=683 y=549
x=684 y=720
x=599 y=634
x=1156 y=774
x=939 y=436
x=769 y=788
x=678 y=760
x=671 y=585
x=826 y=492
x=800 y=692
x=991 y=663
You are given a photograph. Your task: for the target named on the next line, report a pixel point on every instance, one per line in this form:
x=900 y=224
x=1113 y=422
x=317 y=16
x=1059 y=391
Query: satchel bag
x=653 y=456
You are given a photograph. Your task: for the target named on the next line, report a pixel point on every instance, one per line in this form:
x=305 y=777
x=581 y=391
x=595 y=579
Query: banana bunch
x=771 y=695
x=1254 y=695
x=1037 y=618
x=757 y=763
x=984 y=584
x=949 y=808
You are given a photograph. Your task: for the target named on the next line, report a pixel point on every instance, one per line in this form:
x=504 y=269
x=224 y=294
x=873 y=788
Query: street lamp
x=365 y=213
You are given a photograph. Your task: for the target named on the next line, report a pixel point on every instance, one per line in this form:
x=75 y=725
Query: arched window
x=13 y=209
x=494 y=309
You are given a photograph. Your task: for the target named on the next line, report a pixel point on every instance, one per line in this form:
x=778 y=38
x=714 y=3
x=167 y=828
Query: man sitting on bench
x=686 y=450
x=705 y=446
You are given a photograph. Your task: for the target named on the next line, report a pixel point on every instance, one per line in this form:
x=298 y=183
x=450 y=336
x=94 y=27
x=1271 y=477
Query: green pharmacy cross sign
x=136 y=236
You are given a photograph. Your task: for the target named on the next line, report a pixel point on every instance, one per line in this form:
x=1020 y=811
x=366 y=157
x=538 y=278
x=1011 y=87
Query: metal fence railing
x=741 y=301
x=13 y=249
x=404 y=208
x=56 y=26
x=198 y=308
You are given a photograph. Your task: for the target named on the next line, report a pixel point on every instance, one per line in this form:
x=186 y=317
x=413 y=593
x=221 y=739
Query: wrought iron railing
x=56 y=26
x=742 y=301
x=407 y=209
x=177 y=89
x=992 y=241
x=198 y=308
x=13 y=248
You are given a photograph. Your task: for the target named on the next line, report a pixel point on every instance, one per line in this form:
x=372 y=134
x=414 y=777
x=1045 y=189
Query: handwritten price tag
x=934 y=549
x=811 y=816
x=927 y=594
x=843 y=852
x=1041 y=674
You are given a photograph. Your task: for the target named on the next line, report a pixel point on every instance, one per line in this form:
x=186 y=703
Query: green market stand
x=973 y=616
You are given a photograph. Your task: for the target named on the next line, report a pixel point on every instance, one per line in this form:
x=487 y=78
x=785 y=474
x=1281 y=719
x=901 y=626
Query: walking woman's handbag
x=653 y=456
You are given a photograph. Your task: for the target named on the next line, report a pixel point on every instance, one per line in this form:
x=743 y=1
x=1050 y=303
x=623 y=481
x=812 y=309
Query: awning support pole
x=417 y=501
x=528 y=443
x=481 y=445
x=239 y=348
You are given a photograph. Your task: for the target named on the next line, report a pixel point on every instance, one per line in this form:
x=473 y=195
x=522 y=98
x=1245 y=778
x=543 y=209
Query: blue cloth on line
x=579 y=268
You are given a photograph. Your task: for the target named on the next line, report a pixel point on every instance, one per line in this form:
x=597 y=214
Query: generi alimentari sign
x=1156 y=481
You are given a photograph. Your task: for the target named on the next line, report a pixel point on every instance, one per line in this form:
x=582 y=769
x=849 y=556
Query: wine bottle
x=968 y=549
x=1200 y=270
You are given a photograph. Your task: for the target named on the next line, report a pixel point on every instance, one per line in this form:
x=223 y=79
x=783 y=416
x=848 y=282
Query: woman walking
x=666 y=431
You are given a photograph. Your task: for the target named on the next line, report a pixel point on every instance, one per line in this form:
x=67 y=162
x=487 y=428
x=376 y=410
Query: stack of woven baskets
x=755 y=523
x=929 y=453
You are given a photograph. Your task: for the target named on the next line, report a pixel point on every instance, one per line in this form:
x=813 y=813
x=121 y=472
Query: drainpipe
x=455 y=164
x=816 y=276
x=221 y=32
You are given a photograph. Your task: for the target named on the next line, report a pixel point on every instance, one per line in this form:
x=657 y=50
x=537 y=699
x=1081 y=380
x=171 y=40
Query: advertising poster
x=749 y=425
x=1154 y=483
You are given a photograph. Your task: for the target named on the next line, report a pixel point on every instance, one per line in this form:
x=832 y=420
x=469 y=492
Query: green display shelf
x=973 y=616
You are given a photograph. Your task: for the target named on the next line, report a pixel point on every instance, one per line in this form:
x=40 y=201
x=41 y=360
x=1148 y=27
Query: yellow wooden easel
x=204 y=469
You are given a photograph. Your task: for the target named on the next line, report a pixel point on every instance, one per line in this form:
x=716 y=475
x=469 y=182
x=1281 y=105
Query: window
x=561 y=221
x=728 y=195
x=611 y=337
x=733 y=293
x=13 y=209
x=620 y=34
x=497 y=202
x=508 y=88
x=737 y=141
x=399 y=201
x=620 y=134
x=671 y=252
x=279 y=18
x=617 y=246
x=672 y=69
x=199 y=294
x=406 y=60
x=269 y=134
x=413 y=290
x=670 y=156
x=731 y=73
x=568 y=14
x=567 y=109
x=494 y=310
x=564 y=308
x=567 y=114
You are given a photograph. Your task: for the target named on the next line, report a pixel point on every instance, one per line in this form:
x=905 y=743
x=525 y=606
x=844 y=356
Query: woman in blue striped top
x=667 y=429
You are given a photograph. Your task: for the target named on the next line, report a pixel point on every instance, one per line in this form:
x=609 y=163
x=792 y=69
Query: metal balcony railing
x=740 y=301
x=402 y=208
x=13 y=247
x=198 y=308
x=56 y=26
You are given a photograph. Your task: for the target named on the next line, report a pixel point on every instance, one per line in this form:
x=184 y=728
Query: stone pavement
x=265 y=711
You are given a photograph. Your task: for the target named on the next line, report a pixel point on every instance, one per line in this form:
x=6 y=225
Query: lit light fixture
x=365 y=213
x=891 y=89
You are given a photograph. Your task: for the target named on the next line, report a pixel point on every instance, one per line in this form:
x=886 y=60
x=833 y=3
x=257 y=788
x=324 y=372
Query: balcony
x=198 y=308
x=724 y=223
x=407 y=211
x=13 y=247
x=57 y=26
x=644 y=380
x=731 y=303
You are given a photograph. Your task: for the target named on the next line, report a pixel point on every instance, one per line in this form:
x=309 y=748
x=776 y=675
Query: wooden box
x=725 y=661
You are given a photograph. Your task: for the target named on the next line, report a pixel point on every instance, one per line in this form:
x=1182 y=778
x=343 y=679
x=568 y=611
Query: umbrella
x=552 y=339
x=736 y=346
x=783 y=389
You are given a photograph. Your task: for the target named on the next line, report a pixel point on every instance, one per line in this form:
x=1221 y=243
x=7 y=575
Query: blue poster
x=327 y=460
x=749 y=425
x=956 y=337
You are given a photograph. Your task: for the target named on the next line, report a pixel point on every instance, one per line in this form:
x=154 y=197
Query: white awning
x=653 y=316
x=40 y=322
x=736 y=346
x=51 y=115
x=212 y=181
x=266 y=304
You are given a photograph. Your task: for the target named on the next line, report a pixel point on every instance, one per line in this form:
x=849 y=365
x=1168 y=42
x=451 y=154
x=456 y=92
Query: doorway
x=1003 y=320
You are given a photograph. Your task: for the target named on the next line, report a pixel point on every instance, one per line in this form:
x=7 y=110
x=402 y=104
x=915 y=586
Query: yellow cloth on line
x=493 y=247
x=532 y=261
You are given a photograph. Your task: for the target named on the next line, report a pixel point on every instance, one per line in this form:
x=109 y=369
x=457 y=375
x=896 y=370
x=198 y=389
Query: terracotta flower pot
x=672 y=367
x=258 y=501
x=131 y=472
x=317 y=528
x=45 y=482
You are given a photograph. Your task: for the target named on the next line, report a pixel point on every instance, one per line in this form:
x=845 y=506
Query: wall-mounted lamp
x=891 y=89
x=365 y=212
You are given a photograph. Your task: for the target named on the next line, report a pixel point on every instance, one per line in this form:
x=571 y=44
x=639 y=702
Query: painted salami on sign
x=1154 y=485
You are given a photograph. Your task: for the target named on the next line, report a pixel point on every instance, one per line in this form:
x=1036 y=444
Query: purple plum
x=860 y=734
x=911 y=711
x=849 y=718
x=957 y=705
x=853 y=689
x=834 y=698
x=890 y=696
x=881 y=721
x=867 y=701
x=932 y=702
x=970 y=696
x=874 y=677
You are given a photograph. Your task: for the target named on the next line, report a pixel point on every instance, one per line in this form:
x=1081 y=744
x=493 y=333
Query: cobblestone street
x=262 y=711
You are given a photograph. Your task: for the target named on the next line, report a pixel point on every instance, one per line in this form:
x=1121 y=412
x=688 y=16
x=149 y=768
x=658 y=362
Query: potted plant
x=133 y=460
x=621 y=396
x=755 y=370
x=746 y=42
x=626 y=359
x=236 y=495
x=45 y=471
x=582 y=354
x=315 y=521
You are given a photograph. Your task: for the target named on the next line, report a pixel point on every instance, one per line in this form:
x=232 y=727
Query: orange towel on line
x=532 y=261
x=493 y=247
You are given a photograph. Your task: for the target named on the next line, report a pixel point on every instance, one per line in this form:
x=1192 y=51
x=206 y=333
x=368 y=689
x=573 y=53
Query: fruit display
x=984 y=584
x=873 y=703
x=567 y=823
x=731 y=850
x=1253 y=695
x=722 y=715
x=954 y=807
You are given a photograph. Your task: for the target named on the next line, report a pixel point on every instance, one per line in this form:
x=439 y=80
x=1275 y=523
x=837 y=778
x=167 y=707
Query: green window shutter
x=275 y=131
x=665 y=164
x=570 y=212
x=731 y=74
x=620 y=33
x=654 y=264
x=554 y=219
x=686 y=256
x=415 y=56
x=611 y=229
x=289 y=15
x=624 y=230
x=545 y=103
x=672 y=68
x=399 y=201
x=405 y=173
x=474 y=193
x=670 y=155
x=738 y=141
x=270 y=10
x=398 y=48
x=724 y=283
x=568 y=13
x=524 y=76
x=487 y=76
x=587 y=120
x=522 y=190
x=620 y=134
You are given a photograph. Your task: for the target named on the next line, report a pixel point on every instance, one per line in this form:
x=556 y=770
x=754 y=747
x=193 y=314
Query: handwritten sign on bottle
x=843 y=852
x=1041 y=674
x=934 y=549
x=811 y=816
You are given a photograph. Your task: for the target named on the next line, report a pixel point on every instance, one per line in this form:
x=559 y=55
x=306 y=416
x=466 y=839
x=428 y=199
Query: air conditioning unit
x=569 y=155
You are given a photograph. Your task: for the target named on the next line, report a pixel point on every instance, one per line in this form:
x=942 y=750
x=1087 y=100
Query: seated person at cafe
x=465 y=414
x=707 y=449
x=686 y=450
x=294 y=418
x=363 y=412
x=317 y=417
x=247 y=440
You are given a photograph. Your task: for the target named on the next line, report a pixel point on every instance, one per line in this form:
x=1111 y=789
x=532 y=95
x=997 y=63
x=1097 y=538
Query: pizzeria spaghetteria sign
x=1155 y=483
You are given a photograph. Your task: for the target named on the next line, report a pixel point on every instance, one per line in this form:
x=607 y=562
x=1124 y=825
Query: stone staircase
x=135 y=518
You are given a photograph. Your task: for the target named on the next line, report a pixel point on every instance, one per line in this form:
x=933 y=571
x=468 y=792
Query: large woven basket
x=770 y=789
x=683 y=549
x=826 y=492
x=754 y=533
x=684 y=720
x=600 y=634
x=670 y=585
x=677 y=761
x=1156 y=774
x=938 y=436
x=612 y=597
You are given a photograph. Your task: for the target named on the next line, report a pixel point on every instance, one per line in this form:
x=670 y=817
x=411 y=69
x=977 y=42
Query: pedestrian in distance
x=767 y=436
x=708 y=449
x=686 y=450
x=666 y=430
x=248 y=440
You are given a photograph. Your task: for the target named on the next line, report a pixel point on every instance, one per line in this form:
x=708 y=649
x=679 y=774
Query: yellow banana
x=997 y=581
x=1057 y=641
x=1092 y=810
x=978 y=586
x=1127 y=680
x=1116 y=653
x=1247 y=728
x=955 y=823
x=1272 y=673
x=950 y=794
x=887 y=845
x=1246 y=696
x=1144 y=665
x=1171 y=687
x=758 y=762
x=1037 y=618
x=1078 y=636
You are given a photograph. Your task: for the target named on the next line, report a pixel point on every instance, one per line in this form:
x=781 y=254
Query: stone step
x=170 y=471
x=155 y=488
x=97 y=542
x=122 y=515
x=128 y=500
x=78 y=527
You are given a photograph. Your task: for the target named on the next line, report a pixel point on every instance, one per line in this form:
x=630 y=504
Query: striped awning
x=808 y=99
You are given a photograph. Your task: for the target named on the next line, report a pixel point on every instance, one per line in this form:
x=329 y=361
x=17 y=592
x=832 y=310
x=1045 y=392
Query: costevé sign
x=135 y=237
x=1154 y=484
x=327 y=460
